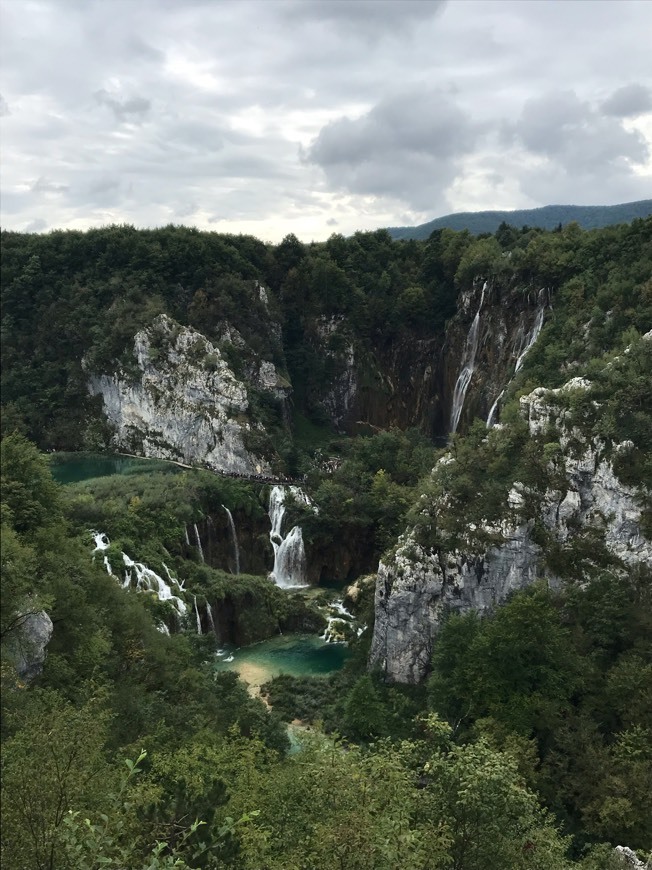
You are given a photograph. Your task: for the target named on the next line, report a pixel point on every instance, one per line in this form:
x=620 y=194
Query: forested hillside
x=547 y=217
x=437 y=451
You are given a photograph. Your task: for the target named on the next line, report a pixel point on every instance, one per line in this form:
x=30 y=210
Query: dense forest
x=529 y=743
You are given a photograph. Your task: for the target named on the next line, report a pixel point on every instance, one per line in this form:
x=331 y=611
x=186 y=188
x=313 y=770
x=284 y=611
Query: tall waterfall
x=236 y=549
x=468 y=367
x=525 y=346
x=198 y=540
x=194 y=599
x=531 y=337
x=289 y=553
x=185 y=531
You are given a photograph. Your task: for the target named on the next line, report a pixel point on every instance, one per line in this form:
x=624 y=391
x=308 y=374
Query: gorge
x=342 y=455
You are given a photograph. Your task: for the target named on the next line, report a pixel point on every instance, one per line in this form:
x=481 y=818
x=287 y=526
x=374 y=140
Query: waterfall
x=532 y=337
x=468 y=367
x=194 y=599
x=179 y=583
x=146 y=579
x=289 y=553
x=101 y=544
x=149 y=581
x=526 y=343
x=209 y=614
x=494 y=408
x=198 y=539
x=236 y=549
x=338 y=620
x=185 y=532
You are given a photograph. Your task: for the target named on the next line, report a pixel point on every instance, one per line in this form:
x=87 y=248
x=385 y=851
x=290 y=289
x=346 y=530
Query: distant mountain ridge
x=547 y=217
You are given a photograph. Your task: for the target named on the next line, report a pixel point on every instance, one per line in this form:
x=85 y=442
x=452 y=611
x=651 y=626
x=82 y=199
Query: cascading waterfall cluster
x=289 y=553
x=145 y=578
x=468 y=367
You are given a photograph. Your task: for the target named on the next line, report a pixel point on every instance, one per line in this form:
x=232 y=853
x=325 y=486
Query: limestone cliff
x=179 y=399
x=27 y=643
x=583 y=501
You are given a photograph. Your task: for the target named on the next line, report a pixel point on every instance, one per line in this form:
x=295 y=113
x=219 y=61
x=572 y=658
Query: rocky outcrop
x=630 y=860
x=28 y=644
x=180 y=400
x=417 y=585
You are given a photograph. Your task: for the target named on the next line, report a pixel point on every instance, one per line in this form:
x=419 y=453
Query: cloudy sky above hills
x=318 y=116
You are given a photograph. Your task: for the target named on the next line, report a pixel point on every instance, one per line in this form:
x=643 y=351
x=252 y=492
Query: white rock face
x=630 y=859
x=29 y=642
x=415 y=586
x=184 y=402
x=340 y=398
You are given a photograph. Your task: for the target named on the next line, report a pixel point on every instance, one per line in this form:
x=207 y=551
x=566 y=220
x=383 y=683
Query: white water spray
x=234 y=538
x=467 y=369
x=289 y=553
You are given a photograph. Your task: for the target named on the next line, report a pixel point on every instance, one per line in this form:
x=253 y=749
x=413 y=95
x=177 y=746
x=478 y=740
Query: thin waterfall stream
x=234 y=538
x=199 y=547
x=467 y=368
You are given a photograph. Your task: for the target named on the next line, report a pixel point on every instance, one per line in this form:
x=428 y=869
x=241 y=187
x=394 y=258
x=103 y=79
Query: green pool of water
x=294 y=654
x=75 y=467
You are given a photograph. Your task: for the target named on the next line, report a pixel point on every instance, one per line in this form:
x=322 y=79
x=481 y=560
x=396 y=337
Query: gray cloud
x=133 y=109
x=406 y=147
x=570 y=131
x=365 y=17
x=4 y=107
x=36 y=226
x=628 y=101
x=44 y=185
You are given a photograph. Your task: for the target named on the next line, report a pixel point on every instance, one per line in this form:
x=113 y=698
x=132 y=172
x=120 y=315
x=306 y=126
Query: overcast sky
x=318 y=116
